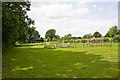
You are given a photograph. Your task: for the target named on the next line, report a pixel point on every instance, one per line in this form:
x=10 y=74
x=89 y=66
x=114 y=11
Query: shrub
x=66 y=41
x=116 y=38
x=50 y=45
x=77 y=41
x=83 y=41
x=105 y=40
x=71 y=41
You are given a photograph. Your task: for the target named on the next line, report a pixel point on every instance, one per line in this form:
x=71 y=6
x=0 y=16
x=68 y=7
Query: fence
x=77 y=45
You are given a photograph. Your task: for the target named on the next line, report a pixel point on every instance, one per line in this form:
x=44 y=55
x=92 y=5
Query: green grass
x=39 y=62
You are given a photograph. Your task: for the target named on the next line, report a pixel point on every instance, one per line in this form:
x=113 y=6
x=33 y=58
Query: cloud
x=58 y=1
x=101 y=8
x=94 y=6
x=56 y=11
x=84 y=26
x=81 y=12
x=77 y=27
x=75 y=18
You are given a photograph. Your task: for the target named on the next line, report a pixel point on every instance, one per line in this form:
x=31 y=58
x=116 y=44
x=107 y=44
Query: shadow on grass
x=49 y=63
x=23 y=45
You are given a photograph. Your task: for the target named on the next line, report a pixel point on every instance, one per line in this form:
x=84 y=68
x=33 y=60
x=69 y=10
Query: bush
x=50 y=45
x=106 y=40
x=71 y=41
x=77 y=41
x=83 y=41
x=74 y=41
x=66 y=41
x=116 y=38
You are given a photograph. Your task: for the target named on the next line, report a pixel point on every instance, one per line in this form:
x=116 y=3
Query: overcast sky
x=74 y=17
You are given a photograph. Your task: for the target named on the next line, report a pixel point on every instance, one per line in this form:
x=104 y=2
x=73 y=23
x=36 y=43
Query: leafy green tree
x=33 y=34
x=118 y=32
x=50 y=34
x=57 y=37
x=87 y=36
x=113 y=31
x=76 y=37
x=107 y=34
x=48 y=39
x=97 y=34
x=15 y=22
x=67 y=37
x=116 y=38
x=41 y=39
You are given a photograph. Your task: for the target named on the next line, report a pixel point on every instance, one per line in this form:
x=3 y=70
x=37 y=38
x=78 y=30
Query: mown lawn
x=83 y=62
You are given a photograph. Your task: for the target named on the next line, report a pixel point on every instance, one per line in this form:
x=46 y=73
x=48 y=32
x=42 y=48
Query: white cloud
x=94 y=6
x=81 y=12
x=84 y=26
x=101 y=8
x=75 y=0
x=70 y=18
x=56 y=10
x=77 y=27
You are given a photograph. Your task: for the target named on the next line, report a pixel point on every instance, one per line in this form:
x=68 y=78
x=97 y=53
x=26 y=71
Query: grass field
x=83 y=62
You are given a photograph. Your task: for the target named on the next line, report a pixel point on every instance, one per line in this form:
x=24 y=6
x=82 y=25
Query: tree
x=15 y=22
x=50 y=34
x=57 y=37
x=76 y=38
x=118 y=32
x=107 y=34
x=33 y=34
x=97 y=34
x=113 y=31
x=41 y=39
x=87 y=36
x=116 y=38
x=68 y=37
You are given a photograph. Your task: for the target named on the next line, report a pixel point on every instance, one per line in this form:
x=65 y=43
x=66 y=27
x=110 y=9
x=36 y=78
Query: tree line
x=113 y=32
x=17 y=26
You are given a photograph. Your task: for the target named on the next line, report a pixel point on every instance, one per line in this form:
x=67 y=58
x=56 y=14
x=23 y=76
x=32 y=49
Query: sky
x=76 y=17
